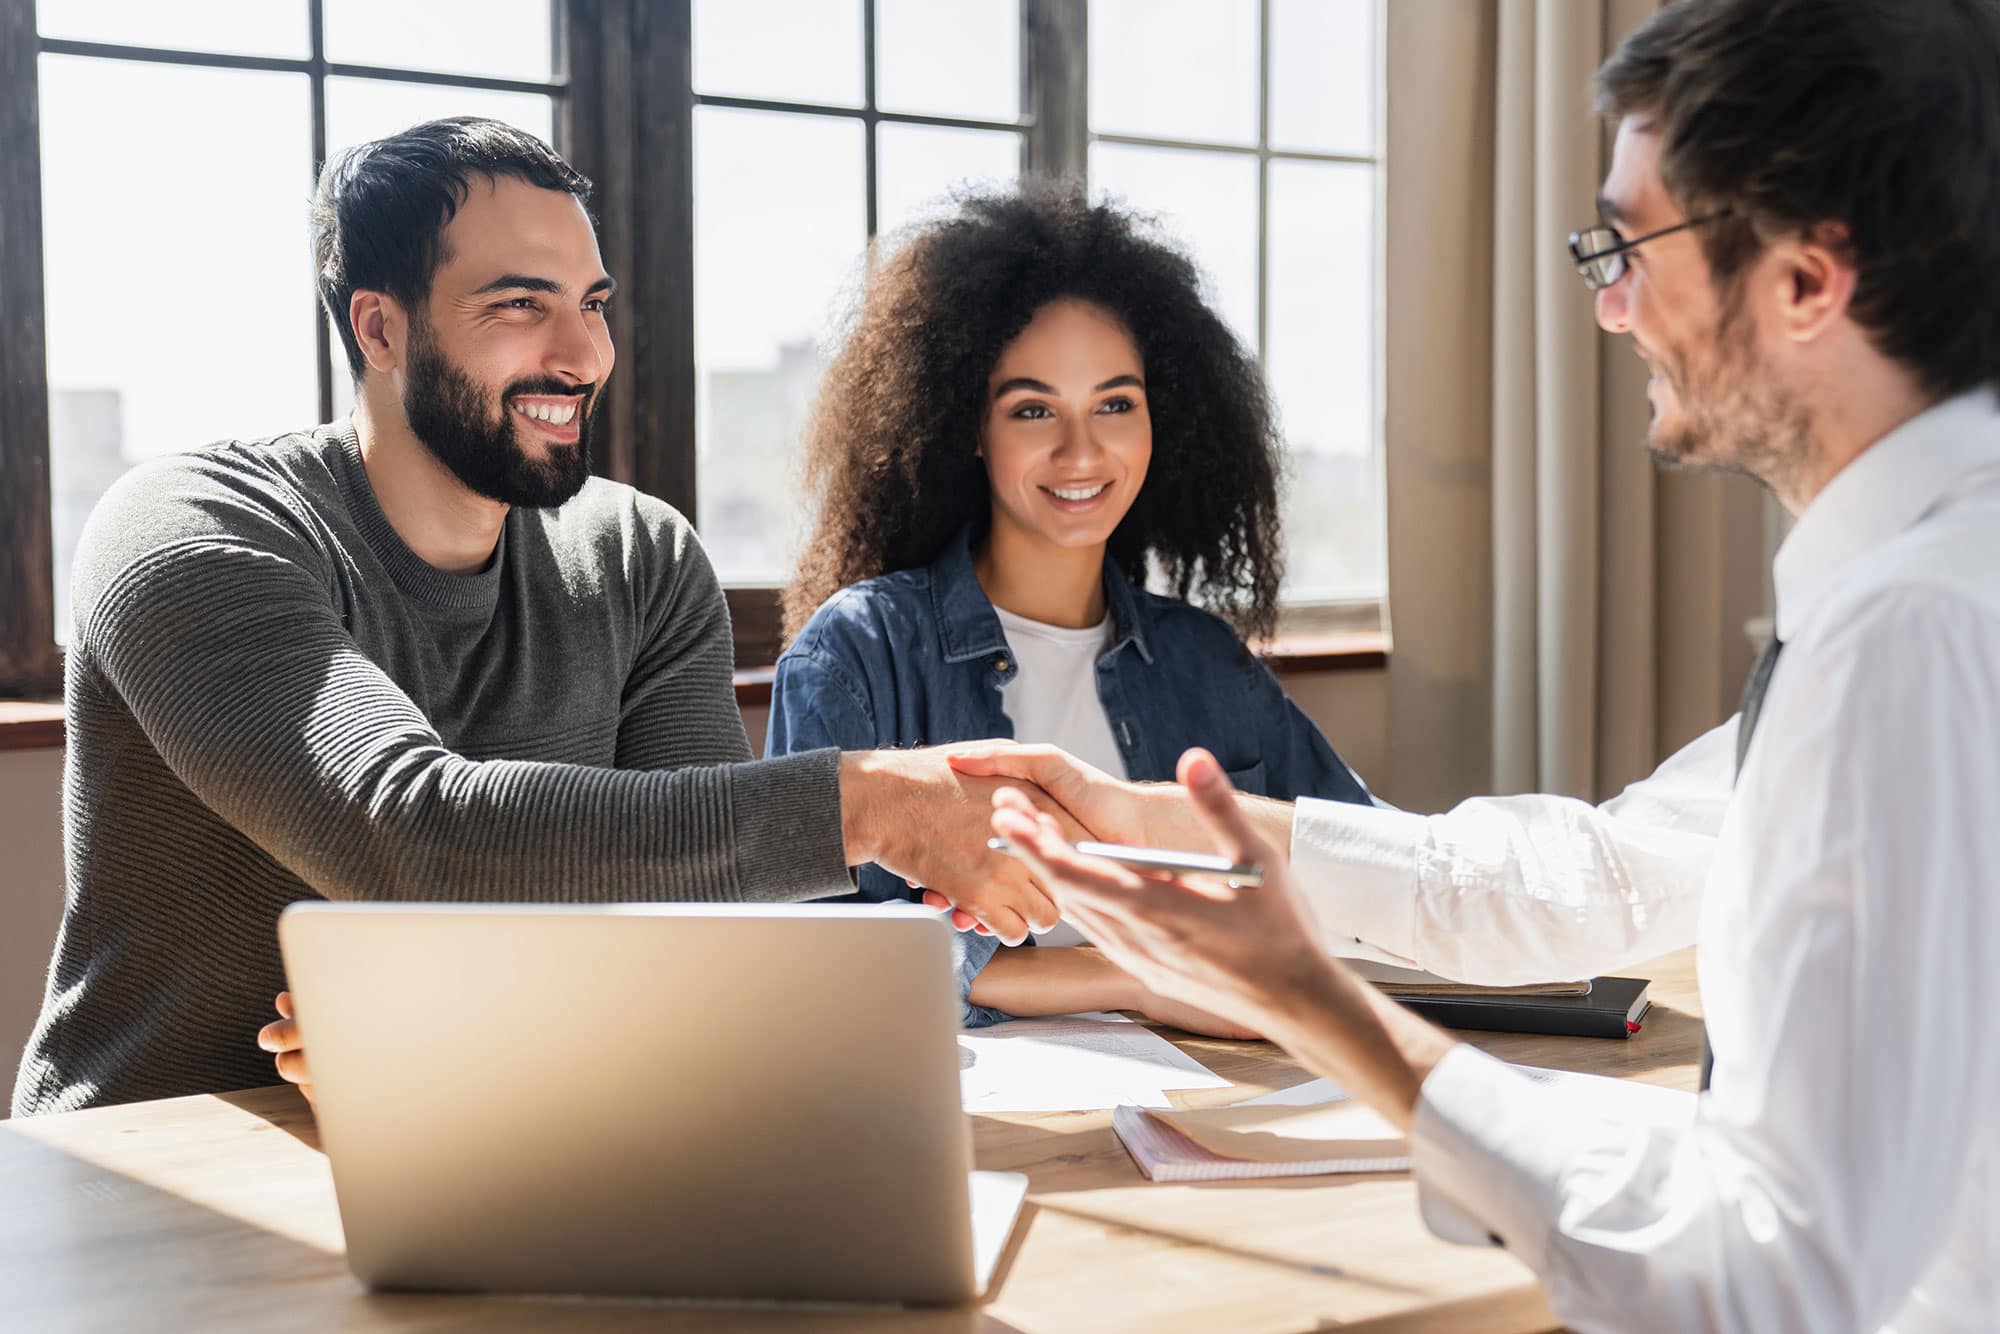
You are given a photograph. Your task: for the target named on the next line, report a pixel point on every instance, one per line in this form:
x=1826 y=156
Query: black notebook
x=1611 y=1009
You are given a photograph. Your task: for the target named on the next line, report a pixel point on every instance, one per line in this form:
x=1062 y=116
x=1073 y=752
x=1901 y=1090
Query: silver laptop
x=710 y=1102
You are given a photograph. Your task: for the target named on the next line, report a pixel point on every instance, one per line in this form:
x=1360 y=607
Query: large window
x=745 y=151
x=178 y=149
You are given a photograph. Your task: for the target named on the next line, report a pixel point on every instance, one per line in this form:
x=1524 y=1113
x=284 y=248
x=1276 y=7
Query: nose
x=1613 y=312
x=573 y=351
x=1080 y=445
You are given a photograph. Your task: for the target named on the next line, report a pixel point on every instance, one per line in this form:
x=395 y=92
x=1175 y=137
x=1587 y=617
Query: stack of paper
x=1311 y=1130
x=1072 y=1064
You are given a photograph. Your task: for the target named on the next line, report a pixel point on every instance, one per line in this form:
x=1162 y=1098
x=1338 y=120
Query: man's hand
x=912 y=814
x=1148 y=814
x=1246 y=955
x=281 y=1035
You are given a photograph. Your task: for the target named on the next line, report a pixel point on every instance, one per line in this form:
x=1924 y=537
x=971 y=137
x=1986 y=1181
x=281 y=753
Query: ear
x=1817 y=277
x=381 y=327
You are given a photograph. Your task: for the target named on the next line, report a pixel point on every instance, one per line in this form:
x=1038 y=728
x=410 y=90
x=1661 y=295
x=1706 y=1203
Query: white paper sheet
x=1072 y=1064
x=1298 y=1095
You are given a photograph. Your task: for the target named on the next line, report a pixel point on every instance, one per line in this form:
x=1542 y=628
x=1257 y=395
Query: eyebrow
x=528 y=282
x=1609 y=210
x=1036 y=386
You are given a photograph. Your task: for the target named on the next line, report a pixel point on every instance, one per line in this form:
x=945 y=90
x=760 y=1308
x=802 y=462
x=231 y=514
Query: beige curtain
x=1564 y=615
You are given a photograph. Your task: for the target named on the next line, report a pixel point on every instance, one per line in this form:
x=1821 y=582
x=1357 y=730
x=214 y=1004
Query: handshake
x=925 y=815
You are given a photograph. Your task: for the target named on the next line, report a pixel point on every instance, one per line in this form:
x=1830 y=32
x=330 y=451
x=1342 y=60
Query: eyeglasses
x=1599 y=252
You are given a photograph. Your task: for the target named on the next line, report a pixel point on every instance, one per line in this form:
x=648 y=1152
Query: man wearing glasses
x=1799 y=236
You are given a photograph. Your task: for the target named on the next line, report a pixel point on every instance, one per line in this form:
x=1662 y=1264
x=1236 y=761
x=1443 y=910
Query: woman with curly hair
x=1032 y=410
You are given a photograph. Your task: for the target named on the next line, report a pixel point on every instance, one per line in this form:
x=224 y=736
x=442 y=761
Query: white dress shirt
x=1843 y=1172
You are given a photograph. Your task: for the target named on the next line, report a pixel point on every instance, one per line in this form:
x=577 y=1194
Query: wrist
x=865 y=780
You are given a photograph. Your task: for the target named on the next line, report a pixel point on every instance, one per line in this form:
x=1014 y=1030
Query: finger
x=1058 y=867
x=279 y=1035
x=292 y=1067
x=1215 y=802
x=285 y=1005
x=998 y=759
x=1006 y=924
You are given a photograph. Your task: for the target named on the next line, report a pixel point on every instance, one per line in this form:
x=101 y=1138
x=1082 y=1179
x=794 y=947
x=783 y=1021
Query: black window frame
x=624 y=106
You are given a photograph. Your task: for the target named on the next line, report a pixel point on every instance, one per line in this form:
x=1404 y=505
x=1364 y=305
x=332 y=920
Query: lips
x=1076 y=497
x=557 y=417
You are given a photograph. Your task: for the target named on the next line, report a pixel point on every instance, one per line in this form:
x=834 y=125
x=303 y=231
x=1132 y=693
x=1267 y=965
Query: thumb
x=1215 y=802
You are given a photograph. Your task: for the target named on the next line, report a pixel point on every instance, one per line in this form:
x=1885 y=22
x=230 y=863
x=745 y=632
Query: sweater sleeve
x=227 y=647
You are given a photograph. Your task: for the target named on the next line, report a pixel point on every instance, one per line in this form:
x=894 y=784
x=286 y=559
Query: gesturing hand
x=910 y=813
x=282 y=1036
x=1241 y=954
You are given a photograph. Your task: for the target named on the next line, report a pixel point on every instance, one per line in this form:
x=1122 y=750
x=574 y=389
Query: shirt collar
x=967 y=627
x=1886 y=488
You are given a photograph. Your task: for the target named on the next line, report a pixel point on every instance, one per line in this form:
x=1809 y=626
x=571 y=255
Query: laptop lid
x=692 y=1101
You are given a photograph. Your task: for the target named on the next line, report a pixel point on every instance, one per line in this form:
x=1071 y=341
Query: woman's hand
x=281 y=1035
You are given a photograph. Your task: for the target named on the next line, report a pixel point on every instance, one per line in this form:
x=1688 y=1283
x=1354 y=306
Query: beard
x=1729 y=413
x=447 y=412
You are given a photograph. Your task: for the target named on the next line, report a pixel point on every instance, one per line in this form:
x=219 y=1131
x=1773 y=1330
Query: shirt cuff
x=971 y=952
x=1357 y=867
x=785 y=820
x=1489 y=1148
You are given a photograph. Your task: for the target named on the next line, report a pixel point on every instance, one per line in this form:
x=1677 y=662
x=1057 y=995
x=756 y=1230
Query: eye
x=1119 y=404
x=596 y=303
x=1032 y=412
x=518 y=303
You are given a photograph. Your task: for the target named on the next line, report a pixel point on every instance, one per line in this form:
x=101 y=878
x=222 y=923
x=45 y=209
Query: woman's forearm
x=1060 y=980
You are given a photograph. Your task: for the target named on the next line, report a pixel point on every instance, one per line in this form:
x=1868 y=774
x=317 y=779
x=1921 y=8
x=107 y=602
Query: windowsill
x=31 y=724
x=38 y=724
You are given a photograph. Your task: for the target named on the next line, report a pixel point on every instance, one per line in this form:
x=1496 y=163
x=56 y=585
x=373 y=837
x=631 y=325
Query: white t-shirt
x=1053 y=699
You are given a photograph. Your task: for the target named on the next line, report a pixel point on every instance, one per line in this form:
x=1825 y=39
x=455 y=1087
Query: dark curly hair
x=890 y=449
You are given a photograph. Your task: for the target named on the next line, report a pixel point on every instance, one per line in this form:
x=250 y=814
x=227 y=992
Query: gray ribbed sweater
x=270 y=697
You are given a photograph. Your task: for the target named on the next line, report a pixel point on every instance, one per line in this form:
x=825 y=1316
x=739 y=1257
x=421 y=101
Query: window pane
x=1174 y=69
x=785 y=50
x=917 y=166
x=1323 y=75
x=178 y=303
x=499 y=39
x=358 y=110
x=1321 y=365
x=1205 y=201
x=361 y=110
x=232 y=27
x=779 y=226
x=956 y=59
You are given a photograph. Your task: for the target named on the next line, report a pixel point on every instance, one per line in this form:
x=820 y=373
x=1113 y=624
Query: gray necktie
x=1753 y=704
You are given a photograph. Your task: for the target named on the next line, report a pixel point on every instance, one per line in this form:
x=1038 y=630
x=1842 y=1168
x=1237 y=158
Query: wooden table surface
x=218 y=1213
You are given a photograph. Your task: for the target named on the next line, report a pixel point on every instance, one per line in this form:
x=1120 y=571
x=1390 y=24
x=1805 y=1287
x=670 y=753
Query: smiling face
x=507 y=363
x=1066 y=438
x=1716 y=400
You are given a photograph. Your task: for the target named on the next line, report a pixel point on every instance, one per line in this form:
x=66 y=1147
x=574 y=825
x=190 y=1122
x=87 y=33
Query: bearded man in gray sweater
x=423 y=654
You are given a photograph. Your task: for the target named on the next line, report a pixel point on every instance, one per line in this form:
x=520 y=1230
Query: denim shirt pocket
x=1250 y=778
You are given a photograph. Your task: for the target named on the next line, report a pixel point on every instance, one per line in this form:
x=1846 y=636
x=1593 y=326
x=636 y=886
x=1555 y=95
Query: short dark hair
x=891 y=454
x=380 y=211
x=1879 y=116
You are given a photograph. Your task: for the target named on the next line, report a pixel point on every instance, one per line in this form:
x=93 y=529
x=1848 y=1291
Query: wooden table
x=217 y=1213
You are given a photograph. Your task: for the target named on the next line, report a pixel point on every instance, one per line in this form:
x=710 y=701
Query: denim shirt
x=917 y=658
